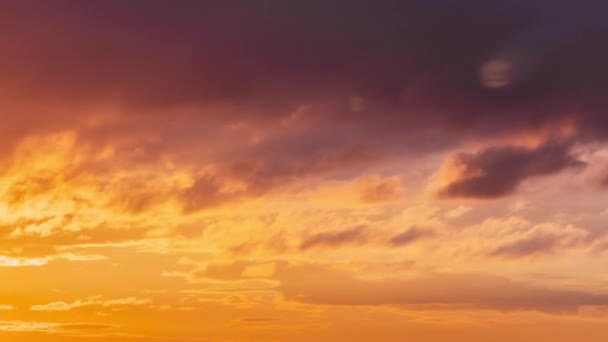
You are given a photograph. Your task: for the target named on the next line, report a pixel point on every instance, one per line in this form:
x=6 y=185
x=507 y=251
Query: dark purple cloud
x=149 y=55
x=498 y=171
x=176 y=68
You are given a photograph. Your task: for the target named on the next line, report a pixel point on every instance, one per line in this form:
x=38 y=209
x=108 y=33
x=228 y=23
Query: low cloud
x=50 y=327
x=8 y=261
x=63 y=306
x=316 y=284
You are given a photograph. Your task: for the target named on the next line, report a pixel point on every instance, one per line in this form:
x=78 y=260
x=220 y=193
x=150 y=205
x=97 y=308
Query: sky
x=265 y=170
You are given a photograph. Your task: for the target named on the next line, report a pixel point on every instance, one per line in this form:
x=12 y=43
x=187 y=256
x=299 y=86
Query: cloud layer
x=297 y=171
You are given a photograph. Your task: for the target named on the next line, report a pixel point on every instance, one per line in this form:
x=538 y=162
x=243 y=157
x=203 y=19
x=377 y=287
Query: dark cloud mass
x=412 y=65
x=497 y=171
x=273 y=56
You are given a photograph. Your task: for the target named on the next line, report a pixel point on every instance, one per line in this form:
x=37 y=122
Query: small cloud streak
x=50 y=327
x=543 y=240
x=409 y=236
x=7 y=261
x=63 y=306
x=335 y=239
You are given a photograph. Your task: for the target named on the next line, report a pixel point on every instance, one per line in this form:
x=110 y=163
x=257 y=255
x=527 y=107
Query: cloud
x=63 y=306
x=603 y=181
x=6 y=307
x=205 y=192
x=131 y=110
x=529 y=246
x=542 y=240
x=389 y=64
x=49 y=327
x=353 y=235
x=498 y=171
x=125 y=301
x=375 y=189
x=85 y=326
x=409 y=236
x=198 y=129
x=513 y=237
x=320 y=285
x=6 y=261
x=57 y=306
x=457 y=212
x=9 y=261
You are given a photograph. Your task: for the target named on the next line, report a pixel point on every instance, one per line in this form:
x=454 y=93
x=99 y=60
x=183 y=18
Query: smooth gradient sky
x=303 y=170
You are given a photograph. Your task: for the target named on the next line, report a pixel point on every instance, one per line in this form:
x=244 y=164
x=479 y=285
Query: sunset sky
x=290 y=170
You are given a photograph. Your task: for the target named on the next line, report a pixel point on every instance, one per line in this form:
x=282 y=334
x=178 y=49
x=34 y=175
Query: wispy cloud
x=50 y=327
x=63 y=306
